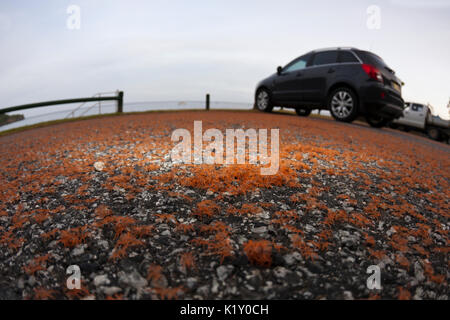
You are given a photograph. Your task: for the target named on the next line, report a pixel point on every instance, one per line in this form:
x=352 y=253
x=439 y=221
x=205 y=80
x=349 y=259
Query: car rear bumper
x=386 y=110
x=382 y=101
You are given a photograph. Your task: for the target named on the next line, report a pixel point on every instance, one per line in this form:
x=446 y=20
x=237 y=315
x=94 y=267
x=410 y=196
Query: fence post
x=120 y=102
x=207 y=102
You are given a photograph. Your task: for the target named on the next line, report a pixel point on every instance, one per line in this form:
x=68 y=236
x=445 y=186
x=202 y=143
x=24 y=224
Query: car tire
x=263 y=100
x=343 y=104
x=393 y=126
x=434 y=134
x=376 y=121
x=303 y=112
x=403 y=128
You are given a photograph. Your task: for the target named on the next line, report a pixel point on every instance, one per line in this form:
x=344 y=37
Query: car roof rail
x=334 y=48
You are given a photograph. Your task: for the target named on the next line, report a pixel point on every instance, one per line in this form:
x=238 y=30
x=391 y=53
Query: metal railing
x=118 y=98
x=86 y=110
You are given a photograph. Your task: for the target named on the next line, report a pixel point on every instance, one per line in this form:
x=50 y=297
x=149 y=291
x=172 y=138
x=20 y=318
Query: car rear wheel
x=434 y=134
x=263 y=102
x=343 y=104
x=393 y=126
x=303 y=112
x=376 y=121
x=403 y=128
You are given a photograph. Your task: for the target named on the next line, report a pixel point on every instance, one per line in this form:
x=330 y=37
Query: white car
x=418 y=117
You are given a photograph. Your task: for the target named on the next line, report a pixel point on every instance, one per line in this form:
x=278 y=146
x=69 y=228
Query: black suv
x=347 y=81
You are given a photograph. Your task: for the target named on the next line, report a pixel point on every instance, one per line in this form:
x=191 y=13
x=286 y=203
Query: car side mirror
x=279 y=69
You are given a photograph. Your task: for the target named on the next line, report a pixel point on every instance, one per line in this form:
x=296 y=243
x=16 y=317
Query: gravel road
x=104 y=195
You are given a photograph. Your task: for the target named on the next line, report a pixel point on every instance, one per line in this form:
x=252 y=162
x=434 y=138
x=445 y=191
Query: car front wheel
x=263 y=102
x=343 y=104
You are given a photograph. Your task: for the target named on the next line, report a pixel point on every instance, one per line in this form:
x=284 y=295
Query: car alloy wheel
x=342 y=104
x=263 y=100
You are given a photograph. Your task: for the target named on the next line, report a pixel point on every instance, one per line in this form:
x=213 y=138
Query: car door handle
x=331 y=70
x=299 y=74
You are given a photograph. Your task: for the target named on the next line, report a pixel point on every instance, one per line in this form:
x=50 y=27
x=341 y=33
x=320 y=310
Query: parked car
x=346 y=81
x=420 y=118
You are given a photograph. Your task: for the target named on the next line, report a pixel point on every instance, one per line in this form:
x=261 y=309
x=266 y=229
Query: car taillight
x=372 y=72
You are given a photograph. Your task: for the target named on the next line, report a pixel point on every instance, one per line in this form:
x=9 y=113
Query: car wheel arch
x=265 y=88
x=343 y=84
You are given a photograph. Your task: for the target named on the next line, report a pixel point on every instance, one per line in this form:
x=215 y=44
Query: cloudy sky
x=180 y=50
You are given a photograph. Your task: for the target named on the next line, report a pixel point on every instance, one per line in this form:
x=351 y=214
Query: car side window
x=326 y=57
x=298 y=64
x=347 y=57
x=416 y=107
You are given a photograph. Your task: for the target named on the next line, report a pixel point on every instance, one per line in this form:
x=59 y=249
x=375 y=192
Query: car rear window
x=373 y=59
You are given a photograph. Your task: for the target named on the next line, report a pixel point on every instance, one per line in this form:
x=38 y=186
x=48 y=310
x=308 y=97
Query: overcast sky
x=180 y=50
